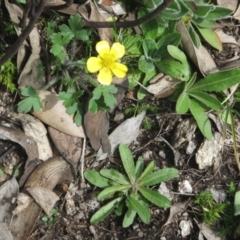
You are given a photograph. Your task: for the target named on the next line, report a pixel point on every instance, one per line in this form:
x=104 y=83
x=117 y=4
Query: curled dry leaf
x=225 y=38
x=8 y=195
x=54 y=114
x=30 y=146
x=200 y=56
x=35 y=129
x=44 y=197
x=23 y=201
x=46 y=175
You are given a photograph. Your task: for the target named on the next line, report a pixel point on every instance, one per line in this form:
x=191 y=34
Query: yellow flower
x=107 y=62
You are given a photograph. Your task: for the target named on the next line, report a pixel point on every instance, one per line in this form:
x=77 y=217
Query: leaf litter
x=127 y=132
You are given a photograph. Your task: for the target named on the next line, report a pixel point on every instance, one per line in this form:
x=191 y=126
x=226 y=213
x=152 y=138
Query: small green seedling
x=131 y=191
x=50 y=220
x=212 y=212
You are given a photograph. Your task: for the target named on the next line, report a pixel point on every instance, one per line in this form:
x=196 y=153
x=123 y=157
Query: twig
x=18 y=43
x=128 y=24
x=82 y=159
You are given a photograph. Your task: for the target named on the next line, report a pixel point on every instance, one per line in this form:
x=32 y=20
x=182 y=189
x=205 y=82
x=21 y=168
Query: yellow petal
x=105 y=76
x=119 y=70
x=117 y=50
x=103 y=48
x=94 y=64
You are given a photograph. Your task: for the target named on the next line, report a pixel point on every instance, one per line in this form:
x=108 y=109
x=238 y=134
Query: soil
x=72 y=222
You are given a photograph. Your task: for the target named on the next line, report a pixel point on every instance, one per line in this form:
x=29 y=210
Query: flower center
x=108 y=60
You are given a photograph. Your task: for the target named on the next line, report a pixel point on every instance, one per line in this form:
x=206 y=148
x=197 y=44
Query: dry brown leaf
x=35 y=129
x=45 y=198
x=200 y=56
x=54 y=114
x=104 y=33
x=228 y=4
x=175 y=209
x=236 y=15
x=23 y=201
x=224 y=38
x=8 y=195
x=163 y=87
x=96 y=126
x=68 y=146
x=48 y=173
x=16 y=135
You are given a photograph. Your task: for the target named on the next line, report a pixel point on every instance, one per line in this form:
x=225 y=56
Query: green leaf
x=139 y=167
x=218 y=81
x=237 y=203
x=110 y=191
x=109 y=99
x=144 y=65
x=96 y=178
x=114 y=175
x=182 y=105
x=32 y=100
x=104 y=211
x=200 y=10
x=155 y=197
x=150 y=50
x=161 y=175
x=201 y=119
x=129 y=217
x=92 y=105
x=119 y=209
x=132 y=44
x=211 y=37
x=176 y=53
x=148 y=170
x=142 y=211
x=128 y=163
x=169 y=39
x=174 y=69
x=194 y=36
x=219 y=13
x=207 y=99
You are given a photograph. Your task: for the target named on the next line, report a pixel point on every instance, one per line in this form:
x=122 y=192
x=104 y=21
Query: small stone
x=185 y=227
x=191 y=147
x=163 y=189
x=185 y=187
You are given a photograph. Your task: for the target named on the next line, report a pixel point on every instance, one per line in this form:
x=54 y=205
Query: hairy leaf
x=148 y=170
x=201 y=119
x=110 y=191
x=217 y=82
x=155 y=197
x=182 y=105
x=96 y=178
x=127 y=160
x=104 y=211
x=158 y=176
x=114 y=175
